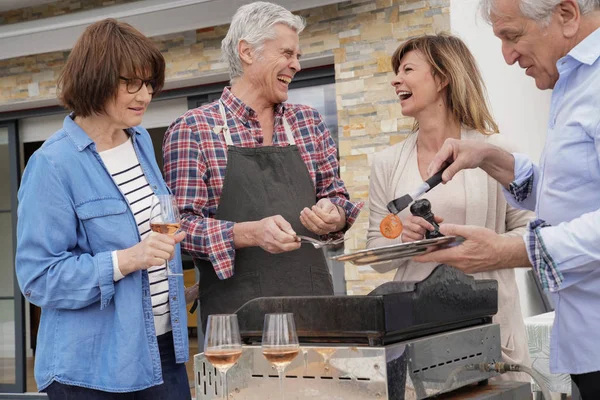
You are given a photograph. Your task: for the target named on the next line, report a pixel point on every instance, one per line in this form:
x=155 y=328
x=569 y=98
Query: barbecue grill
x=404 y=340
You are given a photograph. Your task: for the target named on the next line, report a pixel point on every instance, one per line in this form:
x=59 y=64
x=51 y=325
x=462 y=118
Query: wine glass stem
x=225 y=393
x=305 y=354
x=280 y=373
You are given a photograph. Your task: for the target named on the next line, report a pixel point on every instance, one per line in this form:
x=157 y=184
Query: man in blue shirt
x=557 y=42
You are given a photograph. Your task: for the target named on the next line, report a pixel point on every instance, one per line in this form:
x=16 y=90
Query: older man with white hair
x=557 y=42
x=252 y=172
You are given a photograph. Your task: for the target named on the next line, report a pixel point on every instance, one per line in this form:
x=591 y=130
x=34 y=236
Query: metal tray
x=398 y=251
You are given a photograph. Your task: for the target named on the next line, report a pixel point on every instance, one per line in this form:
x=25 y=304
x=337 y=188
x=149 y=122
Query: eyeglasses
x=134 y=85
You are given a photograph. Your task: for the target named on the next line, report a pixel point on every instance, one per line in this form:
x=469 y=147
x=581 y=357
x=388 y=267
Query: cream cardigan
x=485 y=206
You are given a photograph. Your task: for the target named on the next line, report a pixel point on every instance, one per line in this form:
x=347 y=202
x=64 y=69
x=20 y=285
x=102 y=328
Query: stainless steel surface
x=503 y=390
x=397 y=251
x=414 y=369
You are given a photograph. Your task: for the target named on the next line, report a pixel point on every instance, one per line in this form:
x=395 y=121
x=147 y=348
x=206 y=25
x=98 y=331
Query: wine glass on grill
x=280 y=342
x=223 y=345
x=326 y=353
x=164 y=218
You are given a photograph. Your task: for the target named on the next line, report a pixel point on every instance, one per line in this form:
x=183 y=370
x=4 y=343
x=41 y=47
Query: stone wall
x=361 y=34
x=54 y=9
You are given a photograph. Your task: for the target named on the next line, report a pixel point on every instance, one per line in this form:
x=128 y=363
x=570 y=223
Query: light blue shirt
x=566 y=194
x=94 y=332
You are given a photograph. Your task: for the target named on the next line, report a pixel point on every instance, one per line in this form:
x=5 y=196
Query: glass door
x=12 y=327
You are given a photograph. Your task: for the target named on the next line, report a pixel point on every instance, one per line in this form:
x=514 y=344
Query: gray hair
x=255 y=24
x=537 y=10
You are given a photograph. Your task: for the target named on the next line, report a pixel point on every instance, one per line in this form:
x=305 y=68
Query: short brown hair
x=451 y=60
x=105 y=51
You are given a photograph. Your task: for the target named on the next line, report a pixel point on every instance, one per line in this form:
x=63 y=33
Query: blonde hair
x=451 y=60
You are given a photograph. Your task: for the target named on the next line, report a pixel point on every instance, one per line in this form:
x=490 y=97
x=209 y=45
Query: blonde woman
x=438 y=84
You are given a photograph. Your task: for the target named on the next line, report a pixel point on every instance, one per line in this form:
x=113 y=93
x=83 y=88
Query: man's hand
x=276 y=235
x=469 y=154
x=483 y=250
x=414 y=228
x=323 y=218
x=191 y=293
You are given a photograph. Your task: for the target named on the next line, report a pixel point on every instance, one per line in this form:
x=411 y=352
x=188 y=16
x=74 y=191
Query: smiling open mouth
x=404 y=95
x=285 y=79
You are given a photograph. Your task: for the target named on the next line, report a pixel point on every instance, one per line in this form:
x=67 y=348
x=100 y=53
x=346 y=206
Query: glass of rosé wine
x=223 y=345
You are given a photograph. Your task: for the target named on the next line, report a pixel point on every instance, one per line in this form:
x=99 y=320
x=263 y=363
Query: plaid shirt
x=543 y=264
x=195 y=161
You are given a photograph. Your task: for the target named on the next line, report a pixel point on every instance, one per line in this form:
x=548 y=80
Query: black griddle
x=395 y=311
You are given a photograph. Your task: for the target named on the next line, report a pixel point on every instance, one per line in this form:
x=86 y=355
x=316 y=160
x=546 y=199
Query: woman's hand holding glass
x=154 y=250
x=415 y=227
x=165 y=219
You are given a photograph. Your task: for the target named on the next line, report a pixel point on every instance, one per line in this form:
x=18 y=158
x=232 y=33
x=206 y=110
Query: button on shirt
x=564 y=244
x=195 y=161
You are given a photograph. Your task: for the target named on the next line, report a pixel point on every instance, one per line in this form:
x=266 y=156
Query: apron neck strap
x=288 y=131
x=225 y=126
x=227 y=134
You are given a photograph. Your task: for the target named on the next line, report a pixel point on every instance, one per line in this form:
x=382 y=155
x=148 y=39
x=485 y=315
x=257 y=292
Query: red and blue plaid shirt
x=195 y=161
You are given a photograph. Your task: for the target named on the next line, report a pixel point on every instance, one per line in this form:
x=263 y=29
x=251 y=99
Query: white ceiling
x=6 y=5
x=151 y=17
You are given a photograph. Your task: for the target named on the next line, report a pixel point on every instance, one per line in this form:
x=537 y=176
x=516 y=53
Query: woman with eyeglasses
x=113 y=322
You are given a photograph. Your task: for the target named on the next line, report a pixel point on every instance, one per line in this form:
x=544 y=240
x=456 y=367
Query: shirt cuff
x=104 y=265
x=351 y=209
x=522 y=186
x=543 y=264
x=221 y=249
x=117 y=275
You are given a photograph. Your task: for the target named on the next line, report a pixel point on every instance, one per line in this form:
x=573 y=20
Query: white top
x=447 y=201
x=124 y=167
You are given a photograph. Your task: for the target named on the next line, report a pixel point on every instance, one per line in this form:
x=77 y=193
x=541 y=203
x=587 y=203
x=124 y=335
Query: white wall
x=520 y=109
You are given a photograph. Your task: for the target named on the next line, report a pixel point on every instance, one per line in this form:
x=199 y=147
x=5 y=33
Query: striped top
x=125 y=169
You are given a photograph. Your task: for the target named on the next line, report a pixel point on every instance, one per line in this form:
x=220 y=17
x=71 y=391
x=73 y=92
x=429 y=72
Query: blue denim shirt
x=94 y=332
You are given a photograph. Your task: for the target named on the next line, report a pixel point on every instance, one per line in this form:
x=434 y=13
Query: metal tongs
x=320 y=243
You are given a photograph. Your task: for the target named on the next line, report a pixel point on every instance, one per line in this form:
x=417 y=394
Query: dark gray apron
x=262 y=182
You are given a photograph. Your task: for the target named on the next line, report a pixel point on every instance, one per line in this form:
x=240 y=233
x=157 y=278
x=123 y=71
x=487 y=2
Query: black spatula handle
x=435 y=179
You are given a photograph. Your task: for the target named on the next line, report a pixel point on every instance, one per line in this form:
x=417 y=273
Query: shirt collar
x=588 y=50
x=78 y=135
x=240 y=110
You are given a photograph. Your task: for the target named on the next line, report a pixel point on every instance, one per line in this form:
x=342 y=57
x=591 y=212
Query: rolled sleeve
x=351 y=209
x=519 y=192
x=210 y=239
x=220 y=246
x=543 y=263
